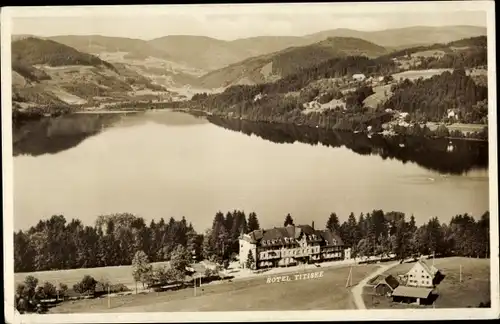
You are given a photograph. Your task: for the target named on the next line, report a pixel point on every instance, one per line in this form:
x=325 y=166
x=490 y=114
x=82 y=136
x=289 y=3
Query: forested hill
x=33 y=51
x=52 y=78
x=431 y=99
x=326 y=95
x=340 y=67
x=290 y=61
x=285 y=99
x=479 y=41
x=464 y=53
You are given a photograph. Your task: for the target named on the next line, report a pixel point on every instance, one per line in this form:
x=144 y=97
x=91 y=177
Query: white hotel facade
x=291 y=245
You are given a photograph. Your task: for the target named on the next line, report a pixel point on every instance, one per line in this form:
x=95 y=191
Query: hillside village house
x=291 y=245
x=421 y=275
x=452 y=114
x=358 y=77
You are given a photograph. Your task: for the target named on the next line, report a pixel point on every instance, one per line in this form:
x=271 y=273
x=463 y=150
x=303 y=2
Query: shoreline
x=223 y=116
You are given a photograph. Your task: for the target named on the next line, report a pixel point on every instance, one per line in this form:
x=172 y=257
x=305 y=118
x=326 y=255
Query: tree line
x=57 y=244
x=115 y=239
x=379 y=233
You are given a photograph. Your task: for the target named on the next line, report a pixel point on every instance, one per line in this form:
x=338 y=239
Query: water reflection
x=54 y=135
x=433 y=154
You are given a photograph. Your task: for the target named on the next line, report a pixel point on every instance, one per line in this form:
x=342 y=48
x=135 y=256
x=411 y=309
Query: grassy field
x=429 y=53
x=382 y=93
x=415 y=74
x=474 y=288
x=116 y=275
x=326 y=293
x=464 y=128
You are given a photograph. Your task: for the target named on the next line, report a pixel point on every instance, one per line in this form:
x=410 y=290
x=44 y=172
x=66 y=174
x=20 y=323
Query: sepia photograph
x=250 y=162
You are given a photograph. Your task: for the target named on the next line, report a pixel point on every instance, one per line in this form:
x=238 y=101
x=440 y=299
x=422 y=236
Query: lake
x=171 y=164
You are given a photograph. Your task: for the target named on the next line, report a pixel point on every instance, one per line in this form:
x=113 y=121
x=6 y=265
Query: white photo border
x=12 y=316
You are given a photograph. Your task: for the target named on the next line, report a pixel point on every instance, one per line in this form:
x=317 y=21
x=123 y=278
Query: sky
x=230 y=22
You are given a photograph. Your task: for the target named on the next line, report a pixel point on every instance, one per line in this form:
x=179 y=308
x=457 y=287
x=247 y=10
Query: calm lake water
x=164 y=163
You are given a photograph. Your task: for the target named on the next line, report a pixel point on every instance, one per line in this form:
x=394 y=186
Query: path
x=357 y=291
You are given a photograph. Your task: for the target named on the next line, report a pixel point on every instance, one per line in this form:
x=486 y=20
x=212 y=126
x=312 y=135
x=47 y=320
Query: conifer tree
x=250 y=264
x=253 y=222
x=288 y=220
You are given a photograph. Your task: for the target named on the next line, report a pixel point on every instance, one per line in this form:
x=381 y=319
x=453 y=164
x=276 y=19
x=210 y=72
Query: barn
x=416 y=295
x=386 y=286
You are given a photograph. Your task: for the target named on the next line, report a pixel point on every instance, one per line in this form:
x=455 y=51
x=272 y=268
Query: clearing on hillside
x=415 y=74
x=382 y=93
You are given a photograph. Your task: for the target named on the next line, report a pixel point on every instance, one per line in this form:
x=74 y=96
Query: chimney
x=312 y=225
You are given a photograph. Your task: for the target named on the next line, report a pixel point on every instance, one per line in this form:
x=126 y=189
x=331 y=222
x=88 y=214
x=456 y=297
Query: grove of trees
x=115 y=239
x=379 y=233
x=430 y=99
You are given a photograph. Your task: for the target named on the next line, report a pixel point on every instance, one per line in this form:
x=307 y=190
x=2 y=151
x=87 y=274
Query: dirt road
x=357 y=291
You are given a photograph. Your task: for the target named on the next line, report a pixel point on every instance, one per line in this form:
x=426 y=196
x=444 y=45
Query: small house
x=416 y=295
x=422 y=275
x=452 y=114
x=386 y=286
x=359 y=77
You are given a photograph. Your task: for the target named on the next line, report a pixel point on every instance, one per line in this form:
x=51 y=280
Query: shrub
x=86 y=286
x=49 y=290
x=62 y=290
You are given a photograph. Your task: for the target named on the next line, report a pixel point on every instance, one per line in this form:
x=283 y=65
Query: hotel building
x=291 y=245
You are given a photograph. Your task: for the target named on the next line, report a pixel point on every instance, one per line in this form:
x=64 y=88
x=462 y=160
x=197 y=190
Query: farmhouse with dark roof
x=386 y=286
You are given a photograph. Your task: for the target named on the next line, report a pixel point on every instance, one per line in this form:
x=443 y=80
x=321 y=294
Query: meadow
x=415 y=74
x=114 y=275
x=453 y=293
x=326 y=293
x=464 y=128
x=381 y=94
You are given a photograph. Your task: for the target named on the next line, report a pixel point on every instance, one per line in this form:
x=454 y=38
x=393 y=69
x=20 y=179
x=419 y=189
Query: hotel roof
x=291 y=233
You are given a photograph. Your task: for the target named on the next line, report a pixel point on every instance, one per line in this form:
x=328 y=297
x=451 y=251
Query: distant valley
x=98 y=71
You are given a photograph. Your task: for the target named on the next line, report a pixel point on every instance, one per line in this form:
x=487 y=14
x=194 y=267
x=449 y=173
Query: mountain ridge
x=219 y=53
x=273 y=66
